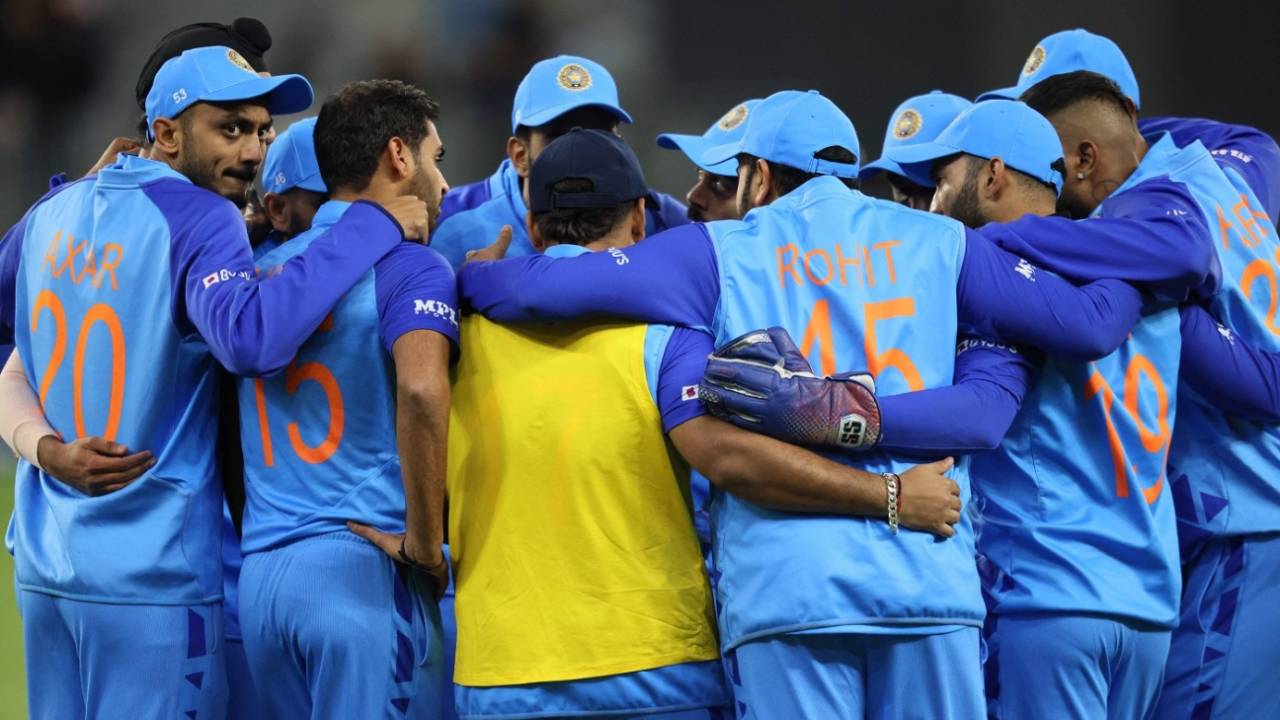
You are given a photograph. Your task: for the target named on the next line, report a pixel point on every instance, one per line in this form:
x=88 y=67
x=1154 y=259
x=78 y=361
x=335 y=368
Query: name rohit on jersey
x=437 y=309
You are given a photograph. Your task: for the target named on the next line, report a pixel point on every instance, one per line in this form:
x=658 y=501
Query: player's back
x=862 y=283
x=1076 y=511
x=319 y=439
x=104 y=338
x=1219 y=465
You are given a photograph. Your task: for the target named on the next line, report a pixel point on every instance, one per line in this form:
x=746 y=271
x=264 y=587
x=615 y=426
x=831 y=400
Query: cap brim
x=719 y=154
x=693 y=146
x=547 y=115
x=1009 y=93
x=285 y=93
x=882 y=165
x=314 y=183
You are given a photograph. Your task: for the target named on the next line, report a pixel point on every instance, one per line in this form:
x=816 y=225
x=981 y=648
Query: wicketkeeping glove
x=760 y=381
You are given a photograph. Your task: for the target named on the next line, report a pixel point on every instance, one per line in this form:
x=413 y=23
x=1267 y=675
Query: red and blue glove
x=760 y=381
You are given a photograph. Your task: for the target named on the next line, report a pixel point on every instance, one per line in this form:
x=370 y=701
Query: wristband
x=431 y=569
x=893 y=500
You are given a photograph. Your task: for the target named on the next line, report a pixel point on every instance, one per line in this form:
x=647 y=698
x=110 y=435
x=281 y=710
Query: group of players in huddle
x=791 y=452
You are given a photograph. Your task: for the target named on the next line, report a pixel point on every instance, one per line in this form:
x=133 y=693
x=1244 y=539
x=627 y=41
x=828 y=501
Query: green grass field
x=13 y=679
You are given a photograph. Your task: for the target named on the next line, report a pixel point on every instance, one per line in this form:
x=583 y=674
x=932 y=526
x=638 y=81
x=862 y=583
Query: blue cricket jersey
x=840 y=297
x=122 y=290
x=1077 y=512
x=319 y=439
x=1248 y=151
x=471 y=216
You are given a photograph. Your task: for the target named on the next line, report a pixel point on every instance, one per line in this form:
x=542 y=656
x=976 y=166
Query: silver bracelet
x=892 y=484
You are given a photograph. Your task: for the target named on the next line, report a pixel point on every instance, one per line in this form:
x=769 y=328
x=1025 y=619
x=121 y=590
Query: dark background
x=68 y=67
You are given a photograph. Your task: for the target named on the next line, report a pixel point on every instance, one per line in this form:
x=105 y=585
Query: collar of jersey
x=515 y=197
x=329 y=213
x=1161 y=159
x=133 y=170
x=565 y=250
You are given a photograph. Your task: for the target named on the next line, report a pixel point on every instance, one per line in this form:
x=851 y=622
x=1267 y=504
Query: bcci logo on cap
x=733 y=118
x=907 y=124
x=238 y=60
x=574 y=77
x=1034 y=60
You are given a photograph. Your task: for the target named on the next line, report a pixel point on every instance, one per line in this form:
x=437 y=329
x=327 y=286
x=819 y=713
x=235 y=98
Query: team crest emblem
x=238 y=60
x=733 y=118
x=907 y=124
x=1034 y=60
x=574 y=77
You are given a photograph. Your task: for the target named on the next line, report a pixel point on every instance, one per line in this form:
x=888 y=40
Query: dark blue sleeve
x=670 y=279
x=1153 y=236
x=1001 y=295
x=464 y=198
x=1249 y=151
x=416 y=290
x=1240 y=380
x=255 y=324
x=971 y=414
x=10 y=254
x=663 y=213
x=683 y=363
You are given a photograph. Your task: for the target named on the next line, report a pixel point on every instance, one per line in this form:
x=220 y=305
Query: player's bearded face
x=714 y=197
x=428 y=182
x=222 y=147
x=956 y=195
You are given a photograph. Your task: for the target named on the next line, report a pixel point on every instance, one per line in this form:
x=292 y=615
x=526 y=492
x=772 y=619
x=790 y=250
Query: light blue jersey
x=1226 y=471
x=1076 y=511
x=319 y=439
x=862 y=283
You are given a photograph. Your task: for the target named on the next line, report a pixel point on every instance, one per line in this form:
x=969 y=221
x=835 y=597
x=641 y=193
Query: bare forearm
x=422 y=422
x=773 y=474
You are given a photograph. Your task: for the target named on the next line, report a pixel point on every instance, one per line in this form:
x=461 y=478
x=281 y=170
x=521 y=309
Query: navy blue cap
x=728 y=129
x=918 y=120
x=291 y=160
x=1071 y=51
x=220 y=74
x=595 y=155
x=791 y=128
x=557 y=85
x=1021 y=137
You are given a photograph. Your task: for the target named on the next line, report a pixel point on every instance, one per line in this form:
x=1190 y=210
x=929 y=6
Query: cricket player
x=917 y=120
x=619 y=620
x=343 y=528
x=141 y=240
x=715 y=195
x=818 y=635
x=557 y=94
x=1245 y=150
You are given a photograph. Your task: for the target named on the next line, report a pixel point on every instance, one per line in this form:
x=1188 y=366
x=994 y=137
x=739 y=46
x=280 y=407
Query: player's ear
x=761 y=191
x=277 y=211
x=518 y=154
x=1083 y=161
x=399 y=158
x=993 y=179
x=168 y=134
x=538 y=242
x=637 y=220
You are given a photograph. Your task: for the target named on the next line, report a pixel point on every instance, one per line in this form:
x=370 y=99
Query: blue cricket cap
x=1069 y=51
x=790 y=128
x=220 y=74
x=728 y=129
x=291 y=160
x=557 y=85
x=1021 y=137
x=918 y=120
x=595 y=155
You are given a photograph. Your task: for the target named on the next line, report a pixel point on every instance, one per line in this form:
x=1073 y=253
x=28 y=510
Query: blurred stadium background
x=68 y=68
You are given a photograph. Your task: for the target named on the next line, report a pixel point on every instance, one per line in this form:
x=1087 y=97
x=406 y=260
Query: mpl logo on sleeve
x=436 y=308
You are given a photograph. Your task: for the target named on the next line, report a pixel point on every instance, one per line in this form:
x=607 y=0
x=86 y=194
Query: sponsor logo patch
x=437 y=309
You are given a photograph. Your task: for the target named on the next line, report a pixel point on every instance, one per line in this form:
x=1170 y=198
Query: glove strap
x=892 y=485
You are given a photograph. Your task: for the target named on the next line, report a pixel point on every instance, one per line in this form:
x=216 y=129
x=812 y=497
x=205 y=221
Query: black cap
x=247 y=36
x=595 y=155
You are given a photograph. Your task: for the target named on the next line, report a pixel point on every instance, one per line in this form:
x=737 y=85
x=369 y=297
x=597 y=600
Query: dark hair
x=1058 y=92
x=1026 y=183
x=358 y=121
x=579 y=226
x=787 y=178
